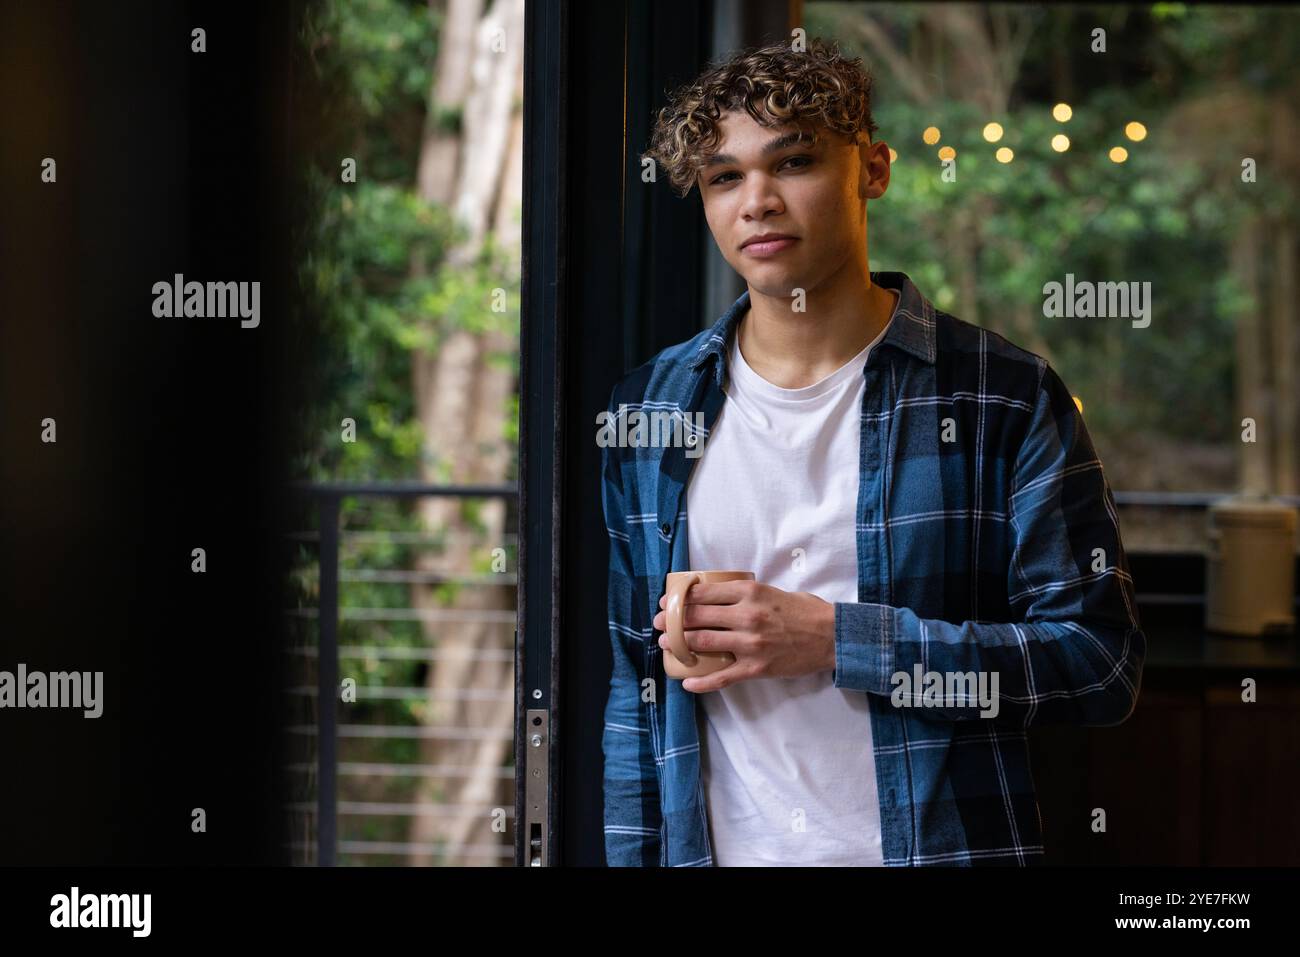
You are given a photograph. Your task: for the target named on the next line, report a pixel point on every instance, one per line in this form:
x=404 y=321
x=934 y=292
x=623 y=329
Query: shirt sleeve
x=1073 y=650
x=631 y=779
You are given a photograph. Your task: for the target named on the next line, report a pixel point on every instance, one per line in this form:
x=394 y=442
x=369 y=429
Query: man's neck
x=793 y=349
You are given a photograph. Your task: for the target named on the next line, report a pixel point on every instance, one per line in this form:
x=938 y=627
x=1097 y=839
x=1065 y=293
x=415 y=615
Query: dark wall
x=169 y=431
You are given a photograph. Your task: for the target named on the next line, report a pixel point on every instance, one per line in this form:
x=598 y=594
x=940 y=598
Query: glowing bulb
x=1004 y=155
x=947 y=153
x=1062 y=112
x=931 y=135
x=1060 y=142
x=1135 y=131
x=1118 y=154
x=993 y=132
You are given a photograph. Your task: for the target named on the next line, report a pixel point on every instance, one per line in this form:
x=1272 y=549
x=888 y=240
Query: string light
x=993 y=133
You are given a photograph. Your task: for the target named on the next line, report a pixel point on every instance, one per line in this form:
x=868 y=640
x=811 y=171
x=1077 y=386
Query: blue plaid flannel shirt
x=997 y=551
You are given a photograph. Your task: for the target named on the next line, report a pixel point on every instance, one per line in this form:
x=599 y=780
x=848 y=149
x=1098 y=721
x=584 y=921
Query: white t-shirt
x=787 y=767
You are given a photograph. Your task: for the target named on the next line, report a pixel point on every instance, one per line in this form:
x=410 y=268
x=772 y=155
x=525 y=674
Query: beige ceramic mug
x=679 y=660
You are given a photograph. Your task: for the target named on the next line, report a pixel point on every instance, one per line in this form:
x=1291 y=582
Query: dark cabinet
x=1196 y=776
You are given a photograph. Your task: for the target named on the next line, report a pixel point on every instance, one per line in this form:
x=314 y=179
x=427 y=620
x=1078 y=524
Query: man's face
x=814 y=192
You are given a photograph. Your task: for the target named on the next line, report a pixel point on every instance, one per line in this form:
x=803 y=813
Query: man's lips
x=768 y=247
x=765 y=237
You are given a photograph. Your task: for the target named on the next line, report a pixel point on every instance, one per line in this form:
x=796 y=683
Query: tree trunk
x=1286 y=318
x=1252 y=394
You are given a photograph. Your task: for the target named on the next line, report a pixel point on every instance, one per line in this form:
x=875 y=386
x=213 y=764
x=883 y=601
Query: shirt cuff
x=864 y=646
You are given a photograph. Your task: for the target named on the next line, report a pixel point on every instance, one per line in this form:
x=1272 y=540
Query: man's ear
x=865 y=150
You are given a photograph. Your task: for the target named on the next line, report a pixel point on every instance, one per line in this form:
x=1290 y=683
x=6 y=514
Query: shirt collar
x=911 y=326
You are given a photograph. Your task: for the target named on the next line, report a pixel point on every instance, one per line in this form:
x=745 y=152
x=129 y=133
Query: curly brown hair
x=775 y=85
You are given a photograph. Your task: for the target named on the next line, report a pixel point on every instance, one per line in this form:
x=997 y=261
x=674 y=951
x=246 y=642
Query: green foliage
x=371 y=63
x=372 y=255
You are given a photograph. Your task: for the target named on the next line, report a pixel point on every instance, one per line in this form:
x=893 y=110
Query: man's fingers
x=703 y=639
x=702 y=616
x=714 y=593
x=737 y=671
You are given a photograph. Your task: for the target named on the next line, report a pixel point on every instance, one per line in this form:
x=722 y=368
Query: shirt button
x=665 y=528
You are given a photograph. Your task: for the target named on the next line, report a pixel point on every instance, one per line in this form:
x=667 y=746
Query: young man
x=937 y=558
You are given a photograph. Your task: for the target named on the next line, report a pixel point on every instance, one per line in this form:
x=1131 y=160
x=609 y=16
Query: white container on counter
x=1250 y=567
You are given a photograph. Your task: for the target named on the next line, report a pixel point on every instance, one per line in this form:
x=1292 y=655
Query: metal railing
x=1188 y=499
x=328 y=497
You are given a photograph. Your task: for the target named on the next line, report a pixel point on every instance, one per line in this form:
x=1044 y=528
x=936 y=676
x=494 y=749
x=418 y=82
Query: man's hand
x=772 y=633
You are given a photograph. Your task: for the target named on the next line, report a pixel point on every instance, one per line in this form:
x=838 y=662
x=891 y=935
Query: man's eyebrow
x=780 y=143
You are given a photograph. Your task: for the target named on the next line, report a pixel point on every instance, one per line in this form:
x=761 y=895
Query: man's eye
x=806 y=160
